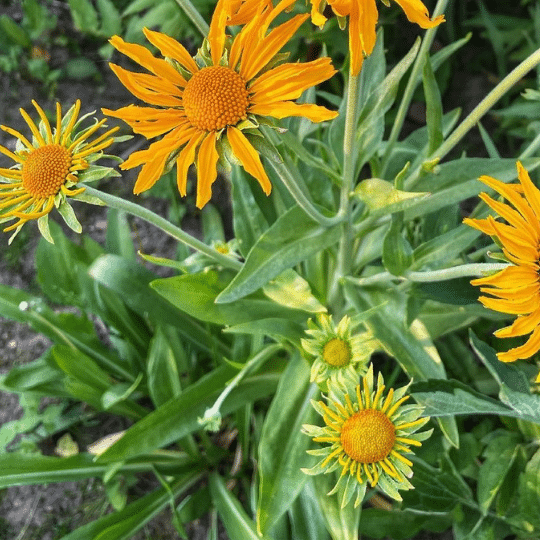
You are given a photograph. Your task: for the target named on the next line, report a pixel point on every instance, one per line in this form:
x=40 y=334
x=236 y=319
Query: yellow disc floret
x=215 y=97
x=45 y=170
x=368 y=436
x=337 y=353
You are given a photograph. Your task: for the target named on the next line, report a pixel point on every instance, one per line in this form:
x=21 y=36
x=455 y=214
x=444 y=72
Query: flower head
x=210 y=105
x=516 y=289
x=363 y=17
x=47 y=167
x=337 y=354
x=367 y=434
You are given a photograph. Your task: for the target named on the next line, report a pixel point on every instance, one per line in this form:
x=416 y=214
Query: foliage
x=206 y=362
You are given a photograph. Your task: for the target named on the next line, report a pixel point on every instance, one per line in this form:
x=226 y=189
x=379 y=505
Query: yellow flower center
x=368 y=436
x=215 y=97
x=337 y=353
x=45 y=170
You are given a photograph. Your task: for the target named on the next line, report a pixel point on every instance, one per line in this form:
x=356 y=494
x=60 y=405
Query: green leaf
x=14 y=32
x=118 y=239
x=237 y=523
x=276 y=328
x=502 y=372
x=529 y=492
x=111 y=22
x=371 y=118
x=196 y=295
x=400 y=524
x=178 y=417
x=305 y=516
x=132 y=282
x=451 y=291
x=397 y=252
x=341 y=523
x=449 y=398
x=500 y=454
x=124 y=524
x=291 y=290
x=84 y=15
x=433 y=107
x=163 y=370
x=282 y=449
x=248 y=221
x=437 y=490
x=290 y=240
x=80 y=68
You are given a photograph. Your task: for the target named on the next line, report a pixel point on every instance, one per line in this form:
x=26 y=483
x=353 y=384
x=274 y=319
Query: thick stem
x=345 y=255
x=482 y=108
x=464 y=270
x=166 y=226
x=301 y=198
x=194 y=16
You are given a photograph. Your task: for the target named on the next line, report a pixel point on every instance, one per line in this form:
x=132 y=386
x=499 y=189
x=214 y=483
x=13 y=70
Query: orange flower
x=516 y=289
x=363 y=17
x=213 y=101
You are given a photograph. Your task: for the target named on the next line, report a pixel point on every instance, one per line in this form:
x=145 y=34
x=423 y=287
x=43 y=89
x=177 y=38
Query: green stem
x=482 y=108
x=465 y=270
x=164 y=225
x=194 y=16
x=345 y=252
x=297 y=188
x=412 y=83
x=531 y=149
x=301 y=198
x=212 y=416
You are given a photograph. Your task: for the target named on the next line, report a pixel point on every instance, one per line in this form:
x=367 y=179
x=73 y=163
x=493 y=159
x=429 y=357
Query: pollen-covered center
x=45 y=170
x=337 y=352
x=215 y=97
x=368 y=436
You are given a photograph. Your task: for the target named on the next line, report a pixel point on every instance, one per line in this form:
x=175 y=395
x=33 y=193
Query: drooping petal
x=171 y=48
x=418 y=13
x=146 y=59
x=249 y=157
x=289 y=81
x=184 y=160
x=206 y=169
x=255 y=59
x=509 y=277
x=132 y=81
x=284 y=109
x=522 y=325
x=216 y=33
x=523 y=352
x=532 y=193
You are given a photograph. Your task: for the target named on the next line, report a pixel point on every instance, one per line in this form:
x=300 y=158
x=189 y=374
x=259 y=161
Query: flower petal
x=206 y=169
x=283 y=109
x=418 y=13
x=249 y=157
x=173 y=49
x=184 y=160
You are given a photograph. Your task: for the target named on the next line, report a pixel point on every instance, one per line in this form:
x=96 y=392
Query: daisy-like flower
x=367 y=434
x=210 y=105
x=47 y=167
x=516 y=289
x=338 y=355
x=363 y=16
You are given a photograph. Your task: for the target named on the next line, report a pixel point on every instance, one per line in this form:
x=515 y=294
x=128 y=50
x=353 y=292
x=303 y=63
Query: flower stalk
x=464 y=270
x=478 y=112
x=194 y=16
x=166 y=226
